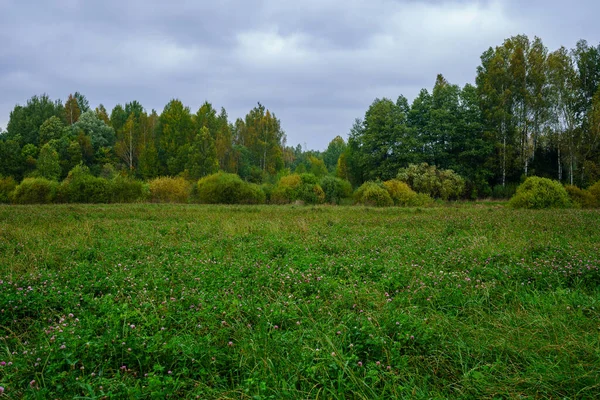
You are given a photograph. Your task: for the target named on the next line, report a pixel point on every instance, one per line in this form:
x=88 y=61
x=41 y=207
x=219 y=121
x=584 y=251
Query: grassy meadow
x=160 y=301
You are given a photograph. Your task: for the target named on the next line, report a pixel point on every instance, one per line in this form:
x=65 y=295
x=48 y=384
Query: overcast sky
x=317 y=64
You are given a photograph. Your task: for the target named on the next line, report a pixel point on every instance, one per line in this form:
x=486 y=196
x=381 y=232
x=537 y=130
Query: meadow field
x=473 y=301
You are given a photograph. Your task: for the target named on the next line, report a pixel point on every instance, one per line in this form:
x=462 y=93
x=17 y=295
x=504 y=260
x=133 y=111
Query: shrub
x=335 y=189
x=223 y=188
x=7 y=186
x=267 y=189
x=594 y=190
x=80 y=186
x=35 y=191
x=452 y=185
x=309 y=178
x=311 y=193
x=169 y=190
x=424 y=178
x=373 y=194
x=581 y=198
x=286 y=190
x=540 y=193
x=253 y=194
x=296 y=187
x=400 y=192
x=127 y=190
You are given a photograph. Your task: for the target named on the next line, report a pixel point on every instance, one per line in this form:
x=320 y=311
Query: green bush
x=267 y=189
x=335 y=189
x=373 y=194
x=581 y=198
x=253 y=194
x=7 y=186
x=594 y=190
x=169 y=190
x=424 y=178
x=127 y=190
x=296 y=187
x=224 y=188
x=311 y=193
x=35 y=191
x=287 y=189
x=403 y=195
x=80 y=186
x=538 y=193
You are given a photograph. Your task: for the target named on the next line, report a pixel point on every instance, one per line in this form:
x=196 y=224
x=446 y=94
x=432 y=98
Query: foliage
x=382 y=142
x=201 y=155
x=7 y=185
x=333 y=152
x=35 y=191
x=404 y=196
x=317 y=166
x=11 y=160
x=99 y=133
x=224 y=188
x=423 y=178
x=286 y=190
x=47 y=163
x=25 y=121
x=504 y=192
x=72 y=110
x=538 y=193
x=595 y=191
x=303 y=187
x=52 y=129
x=532 y=112
x=80 y=186
x=262 y=135
x=373 y=194
x=580 y=197
x=169 y=190
x=127 y=190
x=335 y=189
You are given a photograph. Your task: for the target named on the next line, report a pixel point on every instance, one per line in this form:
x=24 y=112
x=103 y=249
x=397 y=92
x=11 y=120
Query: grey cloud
x=317 y=64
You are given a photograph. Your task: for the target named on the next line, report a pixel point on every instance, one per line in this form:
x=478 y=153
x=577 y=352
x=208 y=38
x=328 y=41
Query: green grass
x=265 y=302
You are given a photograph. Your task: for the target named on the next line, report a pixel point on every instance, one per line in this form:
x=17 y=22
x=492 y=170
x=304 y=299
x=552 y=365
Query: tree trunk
x=559 y=166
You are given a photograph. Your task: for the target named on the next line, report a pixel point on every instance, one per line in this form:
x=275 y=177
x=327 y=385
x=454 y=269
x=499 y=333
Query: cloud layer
x=317 y=64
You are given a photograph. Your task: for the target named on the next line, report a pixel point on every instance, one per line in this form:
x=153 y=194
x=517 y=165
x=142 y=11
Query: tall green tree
x=82 y=102
x=52 y=128
x=127 y=145
x=264 y=138
x=25 y=121
x=102 y=114
x=471 y=145
x=99 y=133
x=47 y=164
x=224 y=143
x=11 y=160
x=175 y=129
x=563 y=84
x=443 y=120
x=494 y=87
x=72 y=110
x=118 y=117
x=202 y=158
x=382 y=143
x=334 y=150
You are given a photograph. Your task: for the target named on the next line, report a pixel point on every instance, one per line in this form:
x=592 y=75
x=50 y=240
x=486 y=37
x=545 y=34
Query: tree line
x=530 y=112
x=48 y=138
